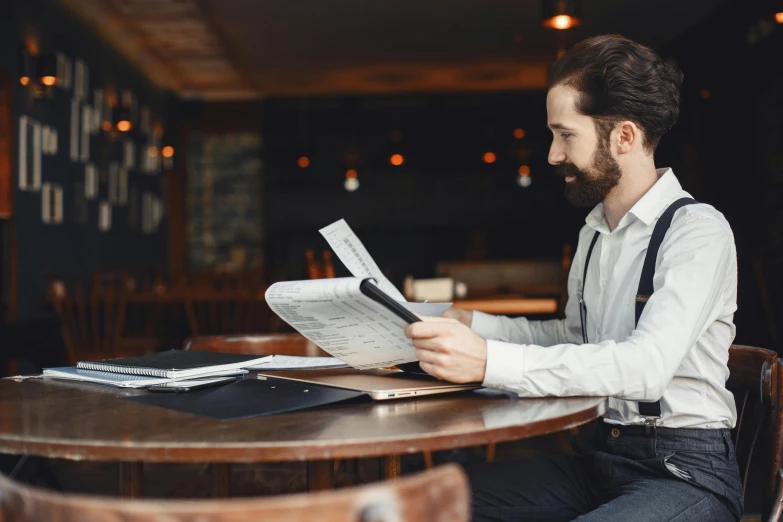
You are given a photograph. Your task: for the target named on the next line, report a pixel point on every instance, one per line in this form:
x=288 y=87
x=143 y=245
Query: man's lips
x=569 y=179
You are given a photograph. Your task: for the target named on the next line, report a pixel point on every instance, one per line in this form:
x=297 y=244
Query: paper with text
x=295 y=362
x=340 y=319
x=355 y=257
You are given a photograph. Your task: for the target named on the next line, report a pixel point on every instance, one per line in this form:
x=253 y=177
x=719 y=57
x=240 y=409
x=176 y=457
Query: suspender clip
x=642 y=298
x=650 y=423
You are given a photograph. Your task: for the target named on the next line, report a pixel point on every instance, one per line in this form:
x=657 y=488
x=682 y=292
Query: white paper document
x=295 y=362
x=343 y=321
x=355 y=257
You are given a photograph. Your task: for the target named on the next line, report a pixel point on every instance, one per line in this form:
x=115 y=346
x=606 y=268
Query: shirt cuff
x=505 y=364
x=486 y=325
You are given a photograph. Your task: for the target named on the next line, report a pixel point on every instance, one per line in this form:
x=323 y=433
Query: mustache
x=568 y=169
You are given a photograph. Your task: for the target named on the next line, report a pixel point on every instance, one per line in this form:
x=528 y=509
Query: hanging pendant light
x=561 y=14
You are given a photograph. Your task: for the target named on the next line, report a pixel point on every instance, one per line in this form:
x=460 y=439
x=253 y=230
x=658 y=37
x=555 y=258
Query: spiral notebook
x=174 y=364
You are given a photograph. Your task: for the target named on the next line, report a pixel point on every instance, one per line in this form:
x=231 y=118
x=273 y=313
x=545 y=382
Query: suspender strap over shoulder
x=651 y=410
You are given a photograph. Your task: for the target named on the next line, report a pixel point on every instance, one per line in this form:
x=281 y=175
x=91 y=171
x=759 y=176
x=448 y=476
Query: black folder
x=249 y=398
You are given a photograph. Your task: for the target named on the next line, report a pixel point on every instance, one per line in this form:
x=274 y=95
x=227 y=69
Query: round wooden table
x=85 y=421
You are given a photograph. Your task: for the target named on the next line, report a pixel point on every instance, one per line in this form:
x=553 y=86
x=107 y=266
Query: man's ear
x=627 y=134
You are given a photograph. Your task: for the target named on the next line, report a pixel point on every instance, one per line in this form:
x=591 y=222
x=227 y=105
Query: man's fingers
x=427 y=329
x=430 y=368
x=427 y=356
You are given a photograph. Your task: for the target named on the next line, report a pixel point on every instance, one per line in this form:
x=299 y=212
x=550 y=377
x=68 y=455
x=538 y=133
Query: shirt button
x=616 y=432
x=603 y=283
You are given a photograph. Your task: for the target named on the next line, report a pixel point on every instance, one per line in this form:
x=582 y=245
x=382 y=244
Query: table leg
x=393 y=464
x=320 y=475
x=221 y=474
x=131 y=479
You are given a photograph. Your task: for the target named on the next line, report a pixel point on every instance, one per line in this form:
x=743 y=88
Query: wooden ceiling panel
x=217 y=49
x=173 y=42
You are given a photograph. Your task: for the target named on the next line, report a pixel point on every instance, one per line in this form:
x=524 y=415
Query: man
x=663 y=450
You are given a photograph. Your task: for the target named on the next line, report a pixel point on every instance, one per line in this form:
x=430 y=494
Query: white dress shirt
x=678 y=352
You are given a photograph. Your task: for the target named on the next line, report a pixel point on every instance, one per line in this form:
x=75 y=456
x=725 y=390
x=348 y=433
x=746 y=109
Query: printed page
x=295 y=362
x=355 y=257
x=339 y=318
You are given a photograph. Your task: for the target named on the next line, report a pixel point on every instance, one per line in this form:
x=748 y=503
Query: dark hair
x=618 y=79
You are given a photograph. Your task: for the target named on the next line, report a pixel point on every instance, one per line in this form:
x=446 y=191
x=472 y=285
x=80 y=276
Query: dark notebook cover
x=171 y=363
x=248 y=398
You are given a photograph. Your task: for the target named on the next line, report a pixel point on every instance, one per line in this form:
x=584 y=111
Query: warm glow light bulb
x=303 y=162
x=397 y=160
x=48 y=80
x=524 y=170
x=167 y=151
x=519 y=133
x=123 y=126
x=351 y=184
x=351 y=174
x=779 y=17
x=489 y=157
x=561 y=22
x=24 y=80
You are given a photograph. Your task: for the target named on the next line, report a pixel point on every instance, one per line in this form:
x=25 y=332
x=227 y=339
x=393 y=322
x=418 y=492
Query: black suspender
x=582 y=306
x=646 y=409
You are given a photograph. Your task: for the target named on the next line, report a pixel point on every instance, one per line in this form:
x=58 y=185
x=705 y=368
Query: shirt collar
x=648 y=207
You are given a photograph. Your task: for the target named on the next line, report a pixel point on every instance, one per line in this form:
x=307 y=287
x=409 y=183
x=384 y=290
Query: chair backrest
x=319 y=269
x=91 y=322
x=439 y=495
x=271 y=344
x=755 y=380
x=218 y=312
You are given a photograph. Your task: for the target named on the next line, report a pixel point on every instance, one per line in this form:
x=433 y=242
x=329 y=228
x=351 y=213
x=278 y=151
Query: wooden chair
x=92 y=322
x=218 y=312
x=440 y=495
x=755 y=379
x=271 y=344
x=316 y=269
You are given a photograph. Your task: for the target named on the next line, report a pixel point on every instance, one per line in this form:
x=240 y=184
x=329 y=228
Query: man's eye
x=564 y=135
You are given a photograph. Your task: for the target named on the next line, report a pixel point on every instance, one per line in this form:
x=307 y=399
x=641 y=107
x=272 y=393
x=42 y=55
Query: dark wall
x=71 y=247
x=728 y=146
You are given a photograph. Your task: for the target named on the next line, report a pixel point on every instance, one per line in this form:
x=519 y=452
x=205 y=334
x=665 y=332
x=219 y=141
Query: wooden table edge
x=294 y=450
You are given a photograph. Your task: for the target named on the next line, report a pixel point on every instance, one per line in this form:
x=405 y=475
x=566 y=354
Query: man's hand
x=448 y=350
x=460 y=314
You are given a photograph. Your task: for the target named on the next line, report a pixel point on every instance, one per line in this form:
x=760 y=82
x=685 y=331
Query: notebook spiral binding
x=113 y=368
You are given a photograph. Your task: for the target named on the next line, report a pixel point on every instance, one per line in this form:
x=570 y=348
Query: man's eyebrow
x=559 y=126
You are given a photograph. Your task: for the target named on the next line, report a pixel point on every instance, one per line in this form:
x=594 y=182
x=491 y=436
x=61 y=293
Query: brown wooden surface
x=510 y=305
x=75 y=420
x=438 y=495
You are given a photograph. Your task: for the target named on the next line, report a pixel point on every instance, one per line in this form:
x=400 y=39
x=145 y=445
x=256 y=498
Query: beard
x=593 y=184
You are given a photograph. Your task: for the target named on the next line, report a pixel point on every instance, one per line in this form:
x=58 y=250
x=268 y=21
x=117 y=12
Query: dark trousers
x=618 y=473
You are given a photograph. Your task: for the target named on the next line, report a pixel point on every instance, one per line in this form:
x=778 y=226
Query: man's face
x=579 y=156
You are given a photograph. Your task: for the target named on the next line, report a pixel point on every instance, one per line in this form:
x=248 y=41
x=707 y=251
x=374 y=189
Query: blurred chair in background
x=323 y=269
x=440 y=495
